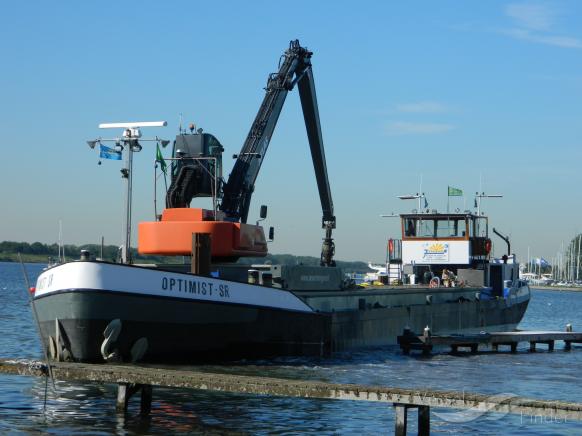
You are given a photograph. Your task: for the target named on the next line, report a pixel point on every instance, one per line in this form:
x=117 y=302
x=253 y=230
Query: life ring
x=488 y=246
x=390 y=245
x=434 y=282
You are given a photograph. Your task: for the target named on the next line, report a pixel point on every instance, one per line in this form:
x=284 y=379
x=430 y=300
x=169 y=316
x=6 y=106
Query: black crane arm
x=311 y=116
x=295 y=68
x=240 y=185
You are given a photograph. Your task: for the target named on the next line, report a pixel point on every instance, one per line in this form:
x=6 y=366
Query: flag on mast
x=160 y=159
x=109 y=153
x=455 y=192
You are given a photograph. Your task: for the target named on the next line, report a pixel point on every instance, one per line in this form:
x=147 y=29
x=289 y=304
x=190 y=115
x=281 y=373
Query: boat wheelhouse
x=447 y=245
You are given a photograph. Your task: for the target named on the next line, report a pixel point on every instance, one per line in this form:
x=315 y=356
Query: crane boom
x=311 y=115
x=295 y=68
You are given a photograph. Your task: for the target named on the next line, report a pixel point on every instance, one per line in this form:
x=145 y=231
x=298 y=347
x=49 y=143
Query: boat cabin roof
x=440 y=216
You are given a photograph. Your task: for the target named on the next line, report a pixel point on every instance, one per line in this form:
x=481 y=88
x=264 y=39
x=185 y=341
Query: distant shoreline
x=557 y=288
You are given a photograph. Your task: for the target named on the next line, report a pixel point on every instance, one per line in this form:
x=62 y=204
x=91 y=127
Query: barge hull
x=178 y=330
x=382 y=326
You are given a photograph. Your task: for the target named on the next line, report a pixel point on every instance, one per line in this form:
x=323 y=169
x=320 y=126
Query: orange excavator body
x=172 y=235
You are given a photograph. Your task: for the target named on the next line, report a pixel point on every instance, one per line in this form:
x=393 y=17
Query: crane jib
x=295 y=69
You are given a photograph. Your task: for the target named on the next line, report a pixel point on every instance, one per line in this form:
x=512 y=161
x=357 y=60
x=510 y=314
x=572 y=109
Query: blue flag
x=109 y=153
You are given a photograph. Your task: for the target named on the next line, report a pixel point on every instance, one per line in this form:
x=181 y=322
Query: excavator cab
x=197 y=172
x=196 y=169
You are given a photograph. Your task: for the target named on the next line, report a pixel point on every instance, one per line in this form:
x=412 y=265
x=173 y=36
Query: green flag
x=454 y=192
x=160 y=159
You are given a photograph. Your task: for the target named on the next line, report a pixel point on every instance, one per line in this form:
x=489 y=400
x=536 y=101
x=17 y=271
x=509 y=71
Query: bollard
x=201 y=254
x=253 y=277
x=267 y=279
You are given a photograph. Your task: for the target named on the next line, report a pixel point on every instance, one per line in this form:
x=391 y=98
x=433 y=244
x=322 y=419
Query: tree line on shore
x=39 y=252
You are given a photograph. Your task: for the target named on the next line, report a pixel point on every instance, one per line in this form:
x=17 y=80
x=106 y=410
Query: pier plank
x=153 y=376
x=409 y=341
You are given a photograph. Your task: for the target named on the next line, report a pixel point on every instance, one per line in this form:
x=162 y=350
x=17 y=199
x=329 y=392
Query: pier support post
x=122 y=397
x=551 y=346
x=568 y=344
x=126 y=390
x=401 y=419
x=532 y=347
x=146 y=399
x=423 y=421
x=514 y=347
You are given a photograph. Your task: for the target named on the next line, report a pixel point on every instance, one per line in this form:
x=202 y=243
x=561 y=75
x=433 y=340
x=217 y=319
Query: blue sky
x=465 y=94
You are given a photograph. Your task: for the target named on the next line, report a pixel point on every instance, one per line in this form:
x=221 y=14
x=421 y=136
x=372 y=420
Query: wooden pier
x=426 y=342
x=131 y=379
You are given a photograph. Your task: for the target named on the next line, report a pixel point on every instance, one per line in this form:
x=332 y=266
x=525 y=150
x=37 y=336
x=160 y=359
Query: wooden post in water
x=423 y=420
x=126 y=390
x=201 y=253
x=146 y=399
x=568 y=344
x=401 y=419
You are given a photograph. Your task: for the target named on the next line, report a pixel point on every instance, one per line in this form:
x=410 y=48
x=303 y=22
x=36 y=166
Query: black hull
x=186 y=318
x=382 y=326
x=180 y=331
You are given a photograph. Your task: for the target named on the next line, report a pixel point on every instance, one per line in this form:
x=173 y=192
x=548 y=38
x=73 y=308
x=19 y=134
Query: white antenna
x=478 y=198
x=414 y=197
x=133 y=125
x=62 y=258
x=130 y=137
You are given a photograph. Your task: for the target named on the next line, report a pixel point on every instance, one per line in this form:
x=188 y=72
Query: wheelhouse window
x=444 y=227
x=451 y=228
x=481 y=227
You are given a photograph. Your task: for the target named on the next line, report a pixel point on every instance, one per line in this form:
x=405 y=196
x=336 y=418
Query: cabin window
x=426 y=229
x=451 y=228
x=410 y=228
x=481 y=229
x=447 y=227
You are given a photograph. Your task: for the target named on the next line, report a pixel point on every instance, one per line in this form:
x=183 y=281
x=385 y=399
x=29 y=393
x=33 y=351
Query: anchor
x=111 y=333
x=59 y=347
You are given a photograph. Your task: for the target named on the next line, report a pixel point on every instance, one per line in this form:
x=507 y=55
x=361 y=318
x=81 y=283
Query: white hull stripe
x=144 y=281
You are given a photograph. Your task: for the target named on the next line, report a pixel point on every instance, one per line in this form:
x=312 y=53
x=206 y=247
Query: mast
x=482 y=195
x=578 y=258
x=129 y=142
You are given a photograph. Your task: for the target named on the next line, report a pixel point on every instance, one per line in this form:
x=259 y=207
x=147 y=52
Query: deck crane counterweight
x=294 y=69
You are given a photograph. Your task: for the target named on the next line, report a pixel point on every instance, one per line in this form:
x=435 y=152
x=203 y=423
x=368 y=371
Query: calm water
x=89 y=409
